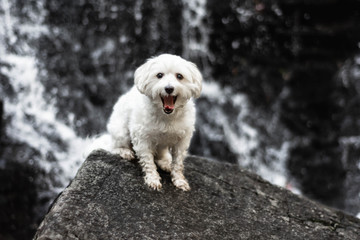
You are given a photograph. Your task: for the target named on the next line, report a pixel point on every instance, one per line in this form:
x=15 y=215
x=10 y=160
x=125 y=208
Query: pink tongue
x=169 y=102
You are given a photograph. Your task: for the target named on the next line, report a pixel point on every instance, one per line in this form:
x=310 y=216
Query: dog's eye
x=159 y=75
x=179 y=76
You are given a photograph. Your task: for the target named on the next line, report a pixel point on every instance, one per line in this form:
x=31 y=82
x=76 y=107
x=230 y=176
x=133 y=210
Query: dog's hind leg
x=125 y=153
x=121 y=143
x=163 y=159
x=122 y=146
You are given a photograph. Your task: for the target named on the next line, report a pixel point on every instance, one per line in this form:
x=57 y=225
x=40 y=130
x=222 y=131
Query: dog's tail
x=102 y=141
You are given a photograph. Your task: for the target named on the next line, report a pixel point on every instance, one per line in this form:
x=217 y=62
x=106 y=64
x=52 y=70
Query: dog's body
x=156 y=118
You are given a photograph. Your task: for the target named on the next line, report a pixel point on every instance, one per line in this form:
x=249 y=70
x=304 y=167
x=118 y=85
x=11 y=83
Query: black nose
x=169 y=89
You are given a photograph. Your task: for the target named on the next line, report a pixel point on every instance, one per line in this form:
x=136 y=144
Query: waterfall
x=88 y=60
x=348 y=77
x=32 y=116
x=217 y=124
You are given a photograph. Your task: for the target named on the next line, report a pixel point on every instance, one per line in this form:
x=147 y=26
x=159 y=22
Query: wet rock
x=108 y=200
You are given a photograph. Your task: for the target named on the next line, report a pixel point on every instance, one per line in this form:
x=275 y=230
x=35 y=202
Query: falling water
x=32 y=117
x=232 y=128
x=349 y=76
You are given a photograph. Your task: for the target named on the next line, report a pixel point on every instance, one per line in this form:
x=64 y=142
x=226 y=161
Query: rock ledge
x=108 y=200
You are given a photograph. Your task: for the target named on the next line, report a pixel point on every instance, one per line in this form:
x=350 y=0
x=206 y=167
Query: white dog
x=156 y=118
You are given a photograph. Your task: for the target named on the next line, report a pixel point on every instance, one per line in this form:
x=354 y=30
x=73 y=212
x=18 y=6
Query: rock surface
x=108 y=200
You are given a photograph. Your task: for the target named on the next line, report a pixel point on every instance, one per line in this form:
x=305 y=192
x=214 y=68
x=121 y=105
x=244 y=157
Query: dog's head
x=169 y=80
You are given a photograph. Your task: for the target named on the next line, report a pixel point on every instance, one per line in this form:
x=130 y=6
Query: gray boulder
x=108 y=200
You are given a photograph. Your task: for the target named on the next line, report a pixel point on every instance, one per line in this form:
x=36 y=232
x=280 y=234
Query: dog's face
x=169 y=81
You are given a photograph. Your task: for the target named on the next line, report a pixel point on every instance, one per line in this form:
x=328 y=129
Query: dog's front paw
x=153 y=183
x=181 y=184
x=124 y=153
x=165 y=165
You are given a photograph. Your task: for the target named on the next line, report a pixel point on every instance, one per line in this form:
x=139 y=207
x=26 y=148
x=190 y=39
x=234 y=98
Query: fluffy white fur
x=157 y=131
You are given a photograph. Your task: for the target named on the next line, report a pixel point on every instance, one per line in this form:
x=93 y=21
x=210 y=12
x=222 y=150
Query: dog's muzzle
x=168 y=103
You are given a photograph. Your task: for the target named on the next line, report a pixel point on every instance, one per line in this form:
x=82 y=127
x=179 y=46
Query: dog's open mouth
x=168 y=103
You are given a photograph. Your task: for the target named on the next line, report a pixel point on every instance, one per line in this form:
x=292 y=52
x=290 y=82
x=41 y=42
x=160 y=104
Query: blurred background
x=281 y=95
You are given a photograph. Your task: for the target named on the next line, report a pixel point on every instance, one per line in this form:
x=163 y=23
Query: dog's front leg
x=177 y=170
x=152 y=177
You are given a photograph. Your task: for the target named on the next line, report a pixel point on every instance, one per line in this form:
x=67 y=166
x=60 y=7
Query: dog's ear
x=141 y=76
x=196 y=79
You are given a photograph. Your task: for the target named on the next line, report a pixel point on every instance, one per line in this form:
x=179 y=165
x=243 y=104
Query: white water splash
x=241 y=137
x=32 y=117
